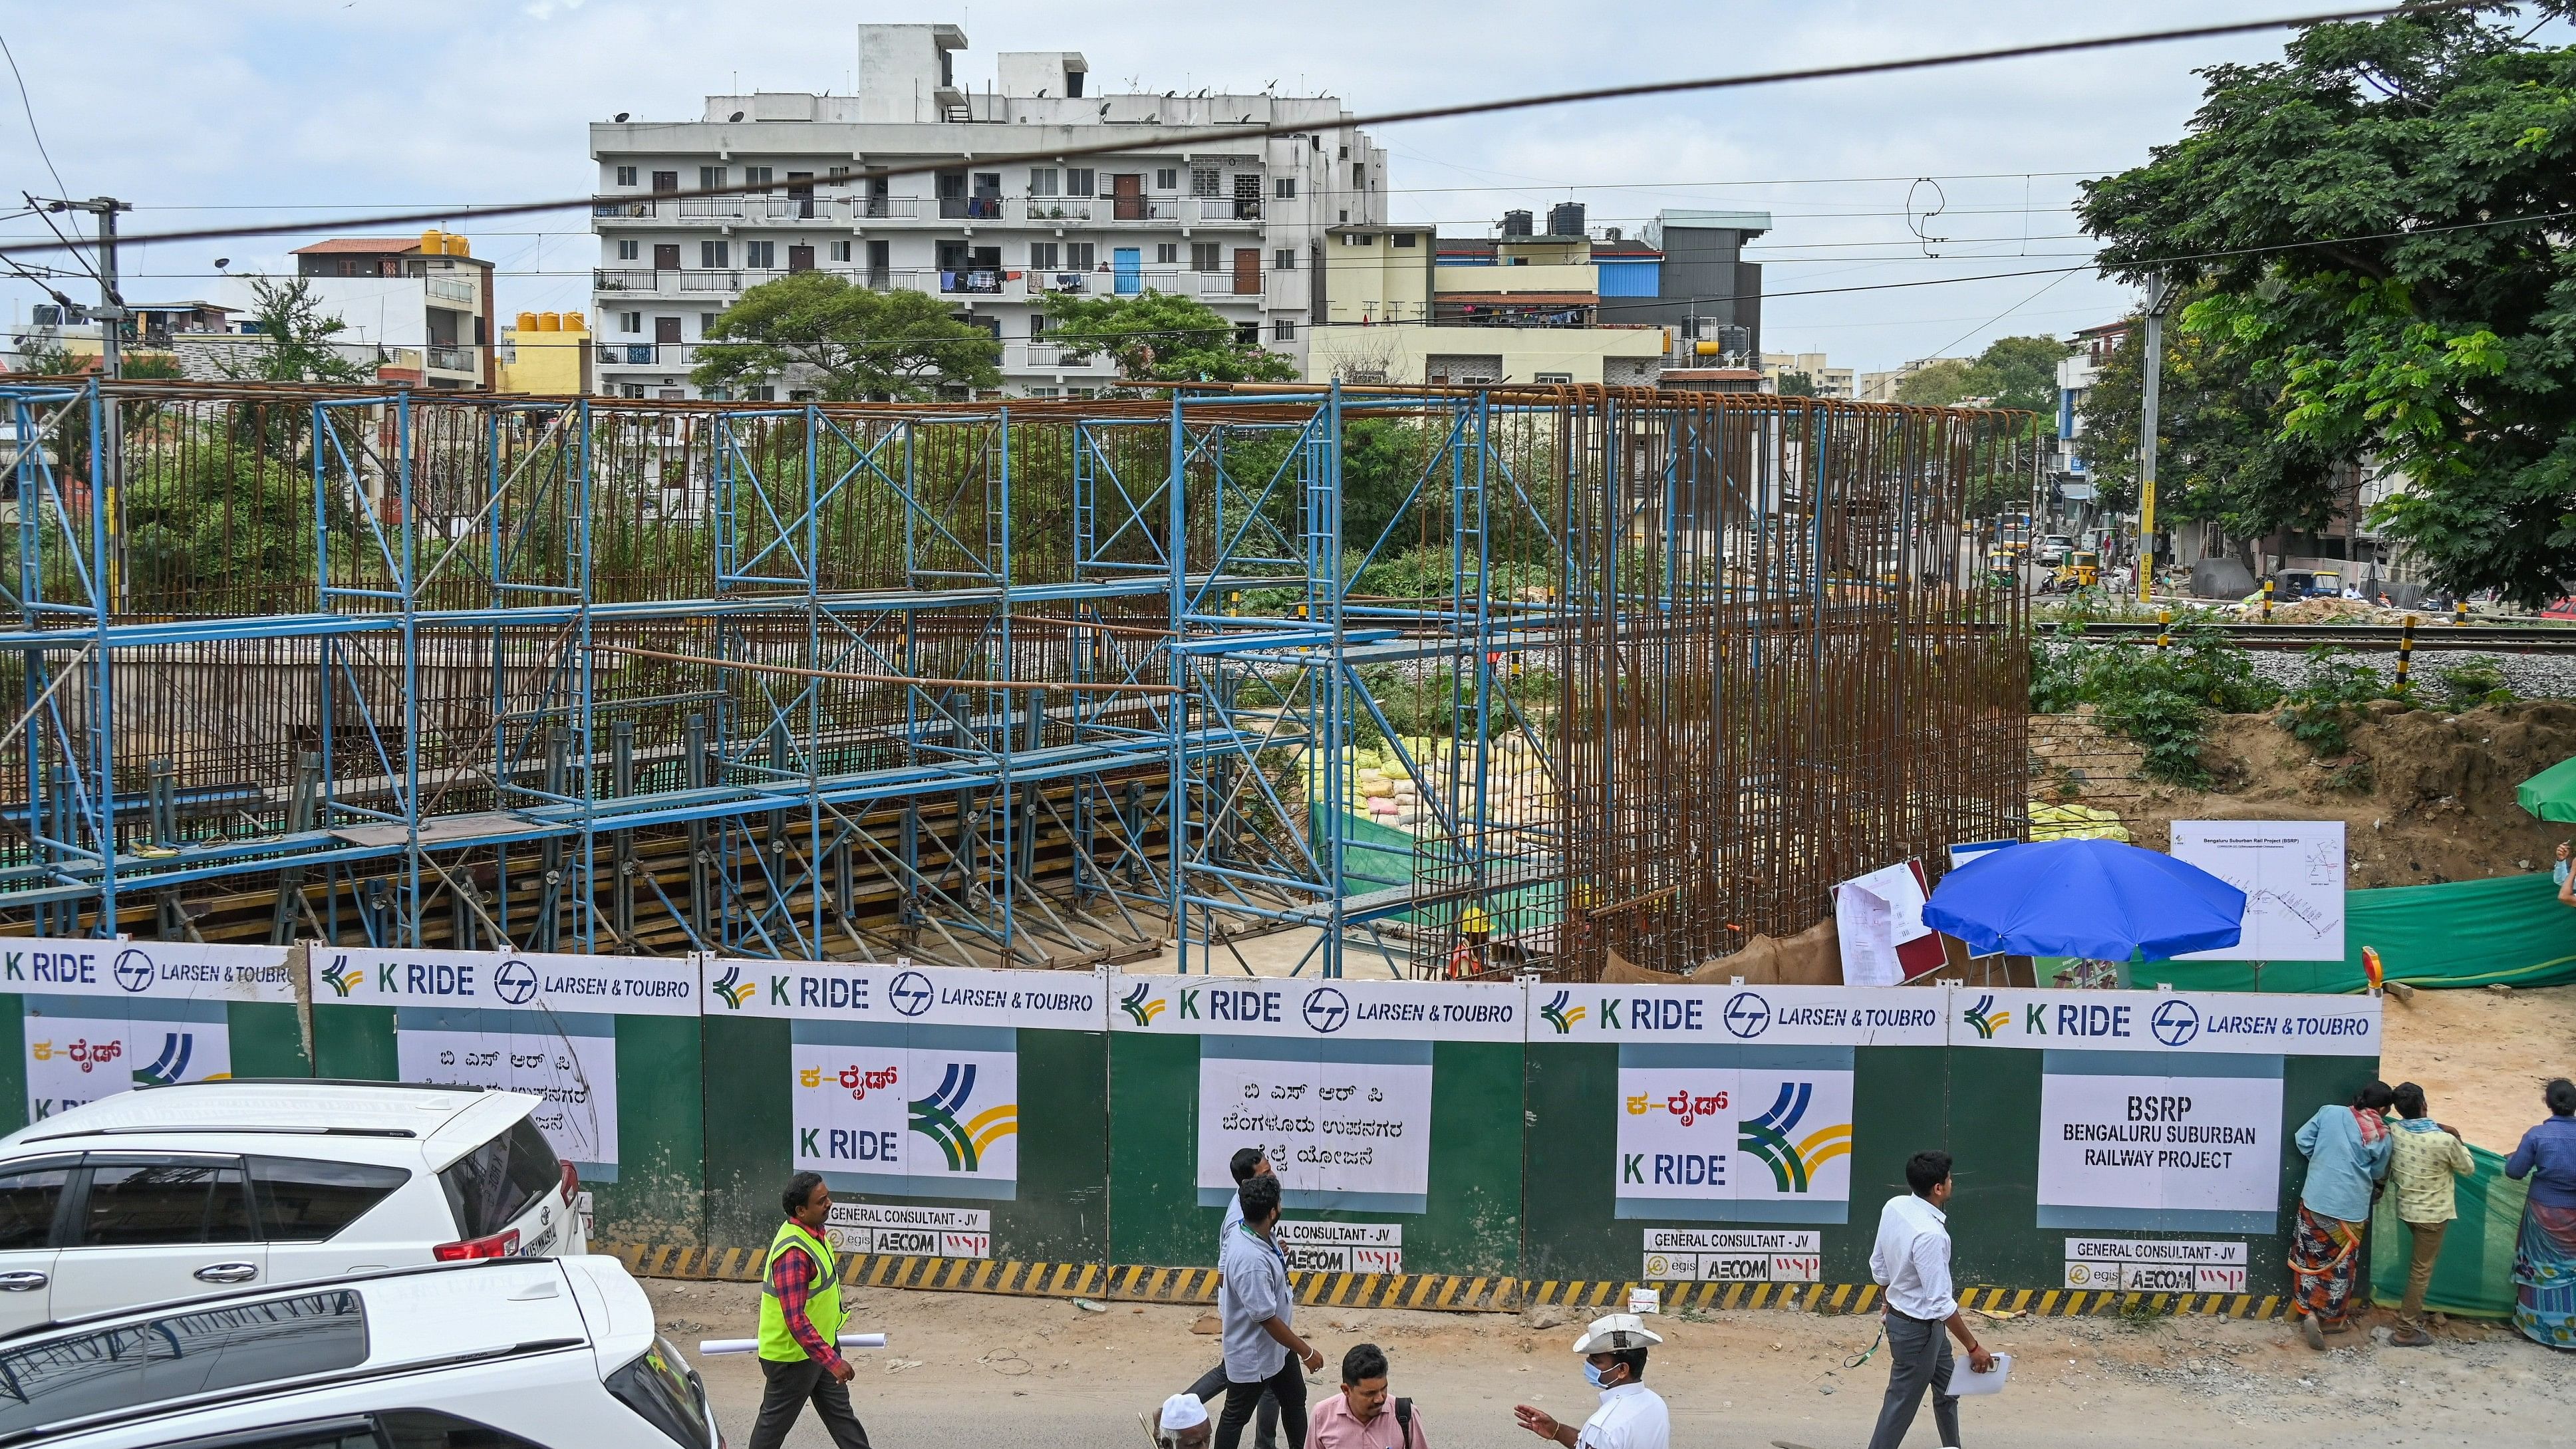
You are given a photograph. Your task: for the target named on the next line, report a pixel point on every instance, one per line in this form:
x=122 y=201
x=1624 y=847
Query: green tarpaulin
x=2474 y=1275
x=2551 y=794
x=2512 y=929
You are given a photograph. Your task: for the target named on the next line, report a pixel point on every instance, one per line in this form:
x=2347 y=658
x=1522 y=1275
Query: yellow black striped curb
x=1436 y=1291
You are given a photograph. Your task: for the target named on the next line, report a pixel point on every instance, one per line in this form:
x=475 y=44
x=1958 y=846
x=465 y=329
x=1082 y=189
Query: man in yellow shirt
x=2425 y=1160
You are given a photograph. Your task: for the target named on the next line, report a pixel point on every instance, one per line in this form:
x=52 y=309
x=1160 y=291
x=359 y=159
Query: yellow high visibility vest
x=823 y=1305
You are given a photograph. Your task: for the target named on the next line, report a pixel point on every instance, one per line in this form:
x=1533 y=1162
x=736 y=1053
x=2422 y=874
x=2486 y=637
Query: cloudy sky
x=224 y=111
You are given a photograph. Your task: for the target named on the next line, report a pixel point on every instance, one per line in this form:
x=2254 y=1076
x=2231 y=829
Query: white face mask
x=1592 y=1374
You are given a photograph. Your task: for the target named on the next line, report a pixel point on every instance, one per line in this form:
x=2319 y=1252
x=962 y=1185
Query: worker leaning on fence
x=800 y=1325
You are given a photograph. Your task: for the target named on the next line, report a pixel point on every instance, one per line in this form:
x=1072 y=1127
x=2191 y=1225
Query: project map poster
x=2292 y=873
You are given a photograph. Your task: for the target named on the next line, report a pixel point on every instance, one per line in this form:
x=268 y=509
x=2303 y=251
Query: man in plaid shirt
x=800 y=1325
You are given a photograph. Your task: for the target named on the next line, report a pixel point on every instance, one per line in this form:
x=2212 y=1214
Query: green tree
x=42 y=358
x=2019 y=372
x=1797 y=384
x=299 y=335
x=1156 y=336
x=157 y=366
x=2221 y=456
x=1937 y=383
x=2380 y=218
x=847 y=342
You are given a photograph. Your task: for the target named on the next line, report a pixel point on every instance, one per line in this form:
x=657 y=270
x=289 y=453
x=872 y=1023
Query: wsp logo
x=1140 y=1010
x=1559 y=1015
x=1767 y=1137
x=942 y=1118
x=1984 y=1017
x=343 y=978
x=172 y=1064
x=733 y=988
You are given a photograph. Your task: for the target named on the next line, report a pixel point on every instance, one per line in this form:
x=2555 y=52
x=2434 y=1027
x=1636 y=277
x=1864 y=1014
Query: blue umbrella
x=2096 y=898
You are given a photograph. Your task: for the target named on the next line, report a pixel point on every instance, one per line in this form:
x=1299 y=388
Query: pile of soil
x=2482 y=1056
x=2427 y=796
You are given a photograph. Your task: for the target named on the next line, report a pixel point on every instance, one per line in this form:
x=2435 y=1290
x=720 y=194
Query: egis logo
x=343 y=977
x=942 y=1118
x=1559 y=1015
x=1138 y=1009
x=1768 y=1137
x=733 y=988
x=1984 y=1017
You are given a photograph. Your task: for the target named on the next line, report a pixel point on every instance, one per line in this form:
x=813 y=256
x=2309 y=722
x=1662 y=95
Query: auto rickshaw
x=2002 y=570
x=2081 y=570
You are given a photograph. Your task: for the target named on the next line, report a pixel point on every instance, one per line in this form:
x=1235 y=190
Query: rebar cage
x=1457 y=682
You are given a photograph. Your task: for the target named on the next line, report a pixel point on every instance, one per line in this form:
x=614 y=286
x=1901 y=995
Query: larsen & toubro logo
x=733 y=988
x=1767 y=1137
x=1327 y=1010
x=1559 y=1015
x=1984 y=1017
x=962 y=1139
x=134 y=972
x=1138 y=1009
x=2175 y=1021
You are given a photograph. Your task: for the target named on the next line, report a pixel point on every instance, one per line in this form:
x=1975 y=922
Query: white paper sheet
x=1965 y=1381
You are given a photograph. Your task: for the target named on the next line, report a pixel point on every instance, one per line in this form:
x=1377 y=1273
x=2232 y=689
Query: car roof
x=451 y=1121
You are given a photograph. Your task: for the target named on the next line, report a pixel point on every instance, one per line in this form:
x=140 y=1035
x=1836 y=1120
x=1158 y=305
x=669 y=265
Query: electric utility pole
x=111 y=315
x=2151 y=382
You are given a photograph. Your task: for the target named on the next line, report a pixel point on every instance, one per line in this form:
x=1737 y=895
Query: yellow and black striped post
x=2460 y=614
x=2267 y=601
x=2164 y=623
x=2405 y=654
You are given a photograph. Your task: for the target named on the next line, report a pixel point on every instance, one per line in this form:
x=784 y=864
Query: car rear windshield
x=305 y=1199
x=492 y=1185
x=137 y=1365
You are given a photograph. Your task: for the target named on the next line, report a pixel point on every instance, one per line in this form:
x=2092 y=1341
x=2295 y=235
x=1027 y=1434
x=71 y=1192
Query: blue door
x=1128 y=276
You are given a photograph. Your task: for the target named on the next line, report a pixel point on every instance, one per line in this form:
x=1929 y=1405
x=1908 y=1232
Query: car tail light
x=572 y=1183
x=499 y=1245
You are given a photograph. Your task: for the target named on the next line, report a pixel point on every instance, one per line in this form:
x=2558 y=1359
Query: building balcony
x=663 y=356
x=1004 y=284
x=441 y=358
x=1053 y=357
x=460 y=290
x=1219 y=208
x=636 y=209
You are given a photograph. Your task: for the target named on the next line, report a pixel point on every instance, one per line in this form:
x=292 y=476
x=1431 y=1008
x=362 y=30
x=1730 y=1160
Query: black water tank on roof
x=1565 y=219
x=1516 y=223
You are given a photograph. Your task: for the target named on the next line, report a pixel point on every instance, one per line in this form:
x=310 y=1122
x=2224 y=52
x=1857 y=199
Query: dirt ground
x=2428 y=796
x=966 y=1371
x=2481 y=1056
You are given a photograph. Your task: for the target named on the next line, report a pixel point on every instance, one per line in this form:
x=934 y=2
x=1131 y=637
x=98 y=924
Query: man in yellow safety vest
x=800 y=1325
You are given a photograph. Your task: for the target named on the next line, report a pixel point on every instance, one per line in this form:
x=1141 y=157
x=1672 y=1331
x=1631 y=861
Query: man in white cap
x=1631 y=1415
x=1182 y=1424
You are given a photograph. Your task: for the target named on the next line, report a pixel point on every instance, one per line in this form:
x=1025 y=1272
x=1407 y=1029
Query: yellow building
x=1393 y=314
x=547 y=354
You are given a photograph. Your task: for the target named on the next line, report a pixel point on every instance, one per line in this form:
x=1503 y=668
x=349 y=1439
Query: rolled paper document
x=752 y=1345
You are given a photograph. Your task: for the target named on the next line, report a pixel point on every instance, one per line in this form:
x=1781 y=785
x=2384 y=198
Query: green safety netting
x=2473 y=1277
x=2551 y=794
x=2510 y=929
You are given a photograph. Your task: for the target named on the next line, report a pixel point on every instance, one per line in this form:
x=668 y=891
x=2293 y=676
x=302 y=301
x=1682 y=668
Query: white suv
x=166 y=1193
x=507 y=1355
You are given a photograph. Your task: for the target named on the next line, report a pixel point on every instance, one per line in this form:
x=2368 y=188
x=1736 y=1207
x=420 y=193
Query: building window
x=1078 y=256
x=837 y=174
x=1360 y=239
x=635 y=390
x=840 y=251
x=707 y=322
x=1284 y=259
x=1167 y=254
x=1167 y=178
x=666 y=181
x=1077 y=181
x=1043 y=181
x=715 y=254
x=1204 y=181
x=710 y=177
x=755 y=176
x=1247 y=334
x=630 y=321
x=1207 y=257
x=1558 y=377
x=628 y=251
x=1037 y=326
x=1286 y=188
x=625 y=175
x=760 y=254
x=1284 y=330
x=1359 y=176
x=1043 y=391
x=1405 y=238
x=762 y=393
x=1043 y=256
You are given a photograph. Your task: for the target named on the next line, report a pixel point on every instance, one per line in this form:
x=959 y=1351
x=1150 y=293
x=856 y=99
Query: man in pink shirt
x=1361 y=1416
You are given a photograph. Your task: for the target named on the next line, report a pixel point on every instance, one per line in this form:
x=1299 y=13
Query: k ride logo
x=1559 y=1015
x=733 y=988
x=1141 y=1005
x=344 y=978
x=1984 y=1017
x=943 y=1118
x=1793 y=1160
x=172 y=1065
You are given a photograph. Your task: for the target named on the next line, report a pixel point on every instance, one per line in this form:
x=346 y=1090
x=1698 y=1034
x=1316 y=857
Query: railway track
x=2431 y=634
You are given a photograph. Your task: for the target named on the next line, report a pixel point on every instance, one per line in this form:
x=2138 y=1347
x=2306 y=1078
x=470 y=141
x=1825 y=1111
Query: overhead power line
x=28 y=104
x=1389 y=118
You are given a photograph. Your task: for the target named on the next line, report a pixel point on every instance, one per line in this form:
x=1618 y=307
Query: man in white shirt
x=1246 y=1164
x=1912 y=1261
x=1631 y=1415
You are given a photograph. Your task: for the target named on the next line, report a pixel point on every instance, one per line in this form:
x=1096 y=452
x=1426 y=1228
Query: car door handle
x=227 y=1273
x=21 y=1282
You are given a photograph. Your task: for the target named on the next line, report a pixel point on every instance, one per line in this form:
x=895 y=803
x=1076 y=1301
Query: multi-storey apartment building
x=1239 y=225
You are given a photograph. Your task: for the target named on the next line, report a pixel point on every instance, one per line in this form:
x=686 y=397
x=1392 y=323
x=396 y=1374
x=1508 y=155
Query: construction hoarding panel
x=1374 y=1100
x=609 y=1044
x=955 y=1113
x=98 y=1017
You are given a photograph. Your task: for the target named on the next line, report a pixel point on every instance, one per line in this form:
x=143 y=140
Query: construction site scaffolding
x=1456 y=682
